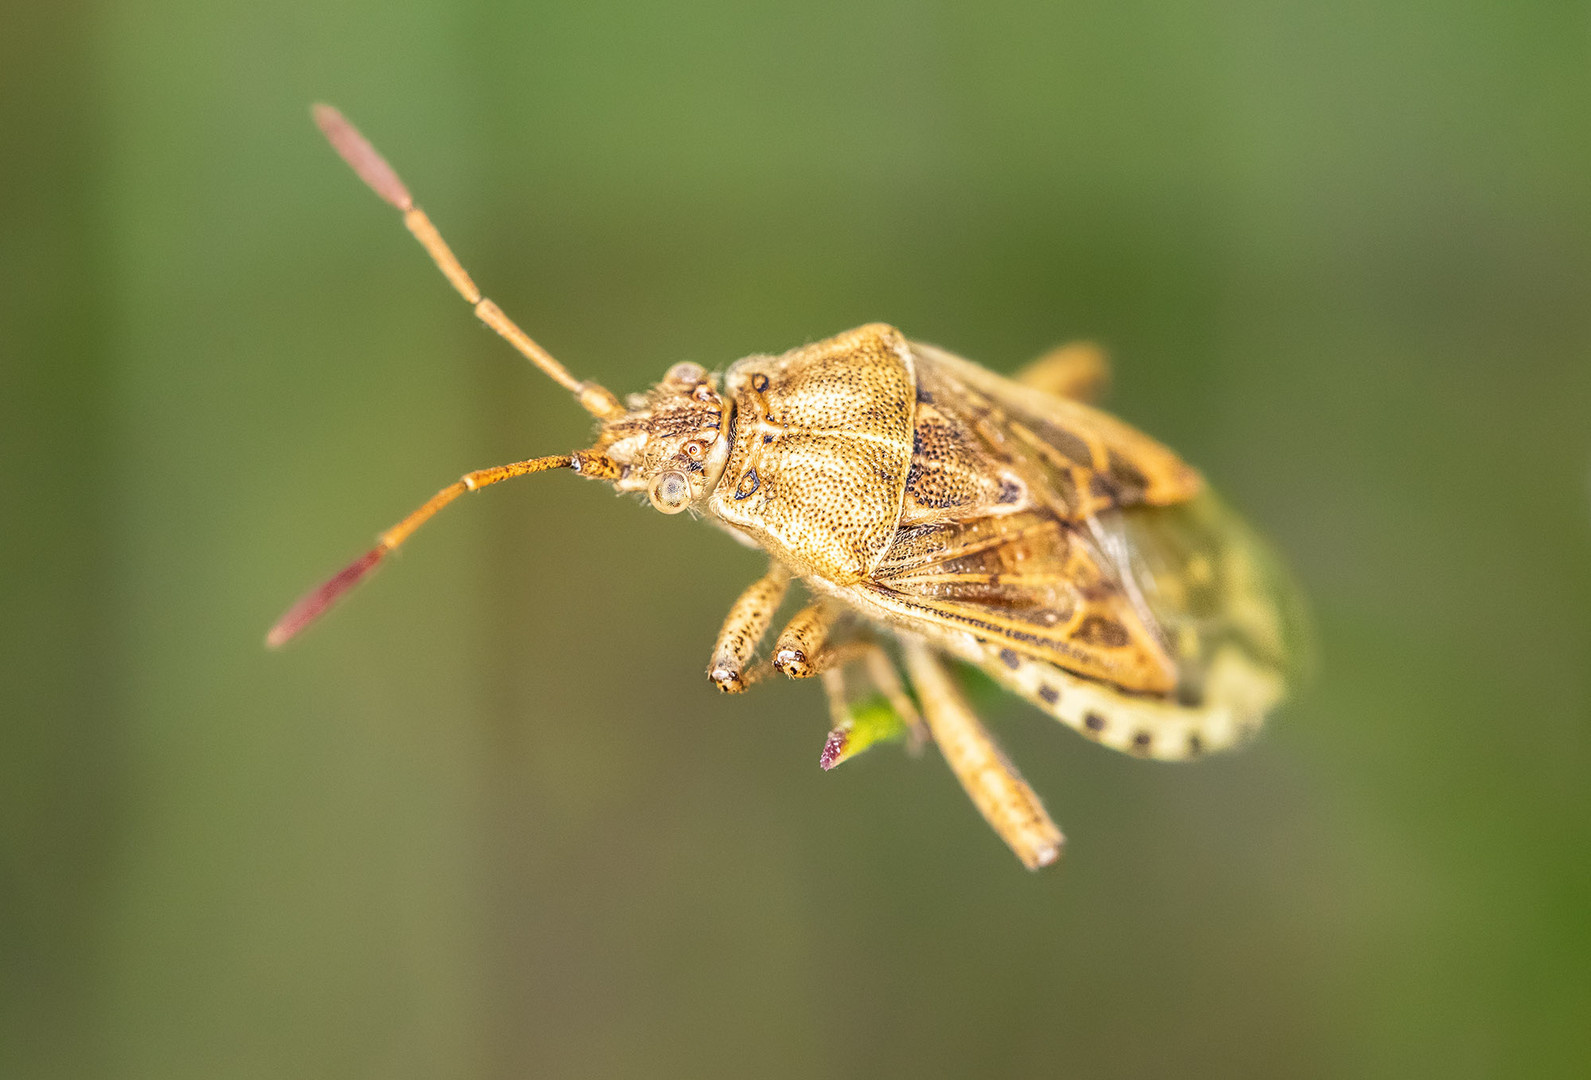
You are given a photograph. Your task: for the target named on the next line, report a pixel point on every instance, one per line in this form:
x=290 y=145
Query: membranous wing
x=1229 y=612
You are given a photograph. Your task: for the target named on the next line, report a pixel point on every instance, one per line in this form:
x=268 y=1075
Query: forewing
x=1081 y=461
x=1085 y=566
x=1025 y=584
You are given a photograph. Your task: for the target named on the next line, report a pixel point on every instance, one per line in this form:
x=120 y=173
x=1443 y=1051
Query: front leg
x=744 y=627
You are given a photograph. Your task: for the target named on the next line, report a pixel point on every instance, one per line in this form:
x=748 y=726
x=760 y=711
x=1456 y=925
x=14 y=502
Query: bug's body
x=1078 y=562
x=1004 y=523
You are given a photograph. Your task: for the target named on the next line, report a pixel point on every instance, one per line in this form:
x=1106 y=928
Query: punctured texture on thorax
x=822 y=446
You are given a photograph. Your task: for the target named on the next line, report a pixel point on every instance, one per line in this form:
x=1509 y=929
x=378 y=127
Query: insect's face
x=673 y=440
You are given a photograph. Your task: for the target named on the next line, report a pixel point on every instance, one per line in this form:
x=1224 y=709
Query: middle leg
x=803 y=639
x=803 y=650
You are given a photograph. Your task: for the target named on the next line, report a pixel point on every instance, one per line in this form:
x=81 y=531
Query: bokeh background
x=489 y=820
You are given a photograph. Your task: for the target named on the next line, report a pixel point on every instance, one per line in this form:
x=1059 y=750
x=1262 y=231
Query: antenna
x=373 y=169
x=314 y=603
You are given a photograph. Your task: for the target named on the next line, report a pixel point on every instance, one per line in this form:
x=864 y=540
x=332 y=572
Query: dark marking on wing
x=1098 y=630
x=1064 y=442
x=1130 y=483
x=1077 y=460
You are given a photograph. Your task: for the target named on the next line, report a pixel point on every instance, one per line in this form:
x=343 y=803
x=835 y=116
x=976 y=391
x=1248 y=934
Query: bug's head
x=672 y=441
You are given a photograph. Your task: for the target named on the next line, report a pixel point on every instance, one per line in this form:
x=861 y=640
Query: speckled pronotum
x=936 y=515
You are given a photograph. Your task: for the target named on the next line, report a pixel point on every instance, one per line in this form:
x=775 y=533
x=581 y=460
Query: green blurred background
x=490 y=821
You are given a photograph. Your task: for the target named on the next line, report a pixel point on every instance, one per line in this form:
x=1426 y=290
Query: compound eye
x=686 y=374
x=670 y=492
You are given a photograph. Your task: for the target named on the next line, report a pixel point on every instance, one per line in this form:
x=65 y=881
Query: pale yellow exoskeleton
x=932 y=508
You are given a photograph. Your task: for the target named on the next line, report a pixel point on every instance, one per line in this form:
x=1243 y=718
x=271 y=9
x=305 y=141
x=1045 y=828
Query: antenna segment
x=373 y=169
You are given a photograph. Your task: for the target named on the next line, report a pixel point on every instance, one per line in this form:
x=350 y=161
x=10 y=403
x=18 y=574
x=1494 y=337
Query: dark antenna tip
x=363 y=158
x=314 y=605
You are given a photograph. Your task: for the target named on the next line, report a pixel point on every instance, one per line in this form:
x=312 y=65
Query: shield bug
x=936 y=514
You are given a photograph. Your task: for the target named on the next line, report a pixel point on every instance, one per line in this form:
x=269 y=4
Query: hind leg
x=1004 y=799
x=1078 y=370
